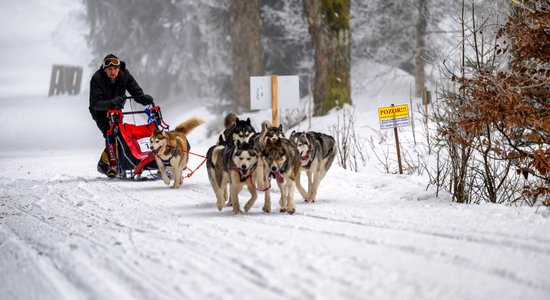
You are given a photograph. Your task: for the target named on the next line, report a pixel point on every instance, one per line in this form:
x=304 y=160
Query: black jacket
x=102 y=90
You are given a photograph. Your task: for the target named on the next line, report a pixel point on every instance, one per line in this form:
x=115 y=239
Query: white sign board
x=288 y=92
x=260 y=92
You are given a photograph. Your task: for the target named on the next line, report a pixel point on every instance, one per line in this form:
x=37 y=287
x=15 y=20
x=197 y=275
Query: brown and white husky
x=171 y=149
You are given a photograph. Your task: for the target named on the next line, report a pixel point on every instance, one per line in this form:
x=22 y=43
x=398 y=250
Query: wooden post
x=274 y=105
x=412 y=113
x=309 y=102
x=397 y=146
x=425 y=100
x=398 y=150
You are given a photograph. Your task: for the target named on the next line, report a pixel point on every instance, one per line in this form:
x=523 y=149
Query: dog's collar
x=284 y=167
x=281 y=170
x=246 y=174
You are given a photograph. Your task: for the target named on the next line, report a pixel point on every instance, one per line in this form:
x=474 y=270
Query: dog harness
x=244 y=176
x=310 y=157
x=277 y=175
x=166 y=162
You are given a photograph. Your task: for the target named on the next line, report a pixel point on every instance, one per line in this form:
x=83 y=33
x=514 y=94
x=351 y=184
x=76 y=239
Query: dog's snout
x=273 y=168
x=243 y=166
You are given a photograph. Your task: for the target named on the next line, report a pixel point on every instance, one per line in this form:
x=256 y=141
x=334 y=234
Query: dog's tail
x=188 y=125
x=229 y=120
x=266 y=125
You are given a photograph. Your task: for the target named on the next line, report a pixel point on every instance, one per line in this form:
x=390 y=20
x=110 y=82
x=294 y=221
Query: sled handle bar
x=133 y=112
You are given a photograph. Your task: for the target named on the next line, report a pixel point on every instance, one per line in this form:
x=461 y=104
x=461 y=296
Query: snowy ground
x=67 y=232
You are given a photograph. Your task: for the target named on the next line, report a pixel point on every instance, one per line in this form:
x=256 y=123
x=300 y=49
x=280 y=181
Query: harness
x=244 y=176
x=248 y=174
x=310 y=157
x=277 y=175
x=166 y=162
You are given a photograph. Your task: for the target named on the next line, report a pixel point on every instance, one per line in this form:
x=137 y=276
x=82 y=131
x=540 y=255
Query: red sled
x=132 y=142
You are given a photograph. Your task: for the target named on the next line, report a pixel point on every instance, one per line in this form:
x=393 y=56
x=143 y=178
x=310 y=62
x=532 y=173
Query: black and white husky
x=233 y=166
x=317 y=152
x=236 y=130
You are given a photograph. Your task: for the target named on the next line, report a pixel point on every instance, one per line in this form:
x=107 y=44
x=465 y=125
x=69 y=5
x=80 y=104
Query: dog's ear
x=280 y=127
x=237 y=120
x=248 y=120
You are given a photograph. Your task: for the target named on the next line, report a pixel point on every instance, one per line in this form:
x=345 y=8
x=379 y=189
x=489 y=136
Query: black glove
x=118 y=102
x=147 y=99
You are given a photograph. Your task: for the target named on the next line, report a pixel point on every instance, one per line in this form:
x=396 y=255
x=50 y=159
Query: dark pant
x=102 y=122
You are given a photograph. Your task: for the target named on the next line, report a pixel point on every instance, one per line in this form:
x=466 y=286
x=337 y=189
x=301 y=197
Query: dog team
x=244 y=157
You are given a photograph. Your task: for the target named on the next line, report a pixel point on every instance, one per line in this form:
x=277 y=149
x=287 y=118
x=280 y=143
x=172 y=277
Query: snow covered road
x=68 y=233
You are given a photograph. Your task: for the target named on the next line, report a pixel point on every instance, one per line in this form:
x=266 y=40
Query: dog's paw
x=166 y=181
x=291 y=211
x=266 y=210
x=282 y=210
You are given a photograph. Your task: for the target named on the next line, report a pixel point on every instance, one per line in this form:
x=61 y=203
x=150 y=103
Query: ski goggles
x=111 y=62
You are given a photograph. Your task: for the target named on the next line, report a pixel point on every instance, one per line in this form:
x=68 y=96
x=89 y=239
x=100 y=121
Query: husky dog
x=263 y=178
x=171 y=150
x=236 y=130
x=317 y=152
x=269 y=132
x=218 y=173
x=283 y=162
x=234 y=165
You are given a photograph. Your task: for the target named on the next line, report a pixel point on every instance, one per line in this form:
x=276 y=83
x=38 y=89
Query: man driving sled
x=107 y=89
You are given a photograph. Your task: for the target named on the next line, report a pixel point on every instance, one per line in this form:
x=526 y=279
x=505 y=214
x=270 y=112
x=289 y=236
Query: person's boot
x=112 y=155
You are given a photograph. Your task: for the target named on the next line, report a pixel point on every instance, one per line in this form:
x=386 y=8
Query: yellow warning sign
x=394 y=116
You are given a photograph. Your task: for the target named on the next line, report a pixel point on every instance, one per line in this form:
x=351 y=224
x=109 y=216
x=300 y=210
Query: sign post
x=274 y=105
x=392 y=117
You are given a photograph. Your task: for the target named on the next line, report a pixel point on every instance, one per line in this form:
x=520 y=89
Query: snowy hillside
x=68 y=232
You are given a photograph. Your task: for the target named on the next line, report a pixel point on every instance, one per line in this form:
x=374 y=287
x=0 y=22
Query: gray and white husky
x=317 y=152
x=233 y=165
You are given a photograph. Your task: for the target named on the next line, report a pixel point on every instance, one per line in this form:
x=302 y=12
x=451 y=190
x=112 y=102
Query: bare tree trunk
x=421 y=25
x=246 y=49
x=329 y=29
